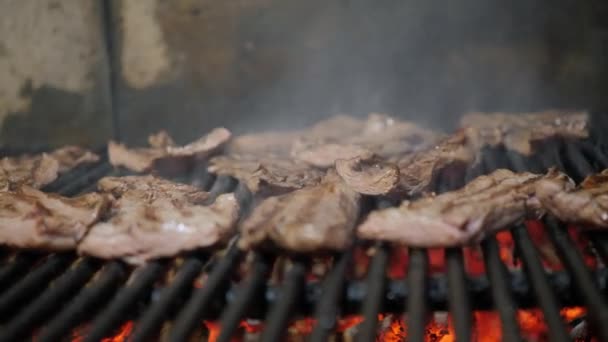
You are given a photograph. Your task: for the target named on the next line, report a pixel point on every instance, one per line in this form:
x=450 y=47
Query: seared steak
x=42 y=169
x=419 y=172
x=372 y=176
x=316 y=218
x=486 y=204
x=586 y=205
x=522 y=132
x=155 y=218
x=164 y=150
x=266 y=175
x=347 y=138
x=30 y=218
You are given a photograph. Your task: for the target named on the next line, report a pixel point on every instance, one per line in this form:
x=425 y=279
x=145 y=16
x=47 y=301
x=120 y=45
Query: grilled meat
x=164 y=151
x=522 y=133
x=347 y=138
x=372 y=176
x=266 y=175
x=158 y=219
x=419 y=172
x=41 y=169
x=486 y=204
x=30 y=218
x=586 y=205
x=316 y=218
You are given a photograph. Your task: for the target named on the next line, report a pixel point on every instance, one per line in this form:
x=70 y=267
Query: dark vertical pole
x=108 y=29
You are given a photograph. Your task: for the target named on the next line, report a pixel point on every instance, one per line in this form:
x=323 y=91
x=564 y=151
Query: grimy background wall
x=74 y=71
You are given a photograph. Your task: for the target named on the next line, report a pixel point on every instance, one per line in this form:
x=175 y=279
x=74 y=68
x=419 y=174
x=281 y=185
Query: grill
x=60 y=296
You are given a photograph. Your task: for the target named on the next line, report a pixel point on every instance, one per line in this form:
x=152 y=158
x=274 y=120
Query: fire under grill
x=503 y=289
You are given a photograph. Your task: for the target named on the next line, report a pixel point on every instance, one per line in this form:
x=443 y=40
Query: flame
x=79 y=333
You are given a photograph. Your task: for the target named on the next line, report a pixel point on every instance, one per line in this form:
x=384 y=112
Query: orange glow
x=122 y=335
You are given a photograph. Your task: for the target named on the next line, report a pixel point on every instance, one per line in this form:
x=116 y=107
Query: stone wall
x=189 y=65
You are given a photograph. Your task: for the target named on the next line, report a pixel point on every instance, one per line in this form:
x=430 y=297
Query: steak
x=30 y=218
x=42 y=169
x=419 y=172
x=163 y=151
x=316 y=218
x=155 y=218
x=266 y=175
x=522 y=133
x=347 y=138
x=488 y=203
x=586 y=205
x=372 y=176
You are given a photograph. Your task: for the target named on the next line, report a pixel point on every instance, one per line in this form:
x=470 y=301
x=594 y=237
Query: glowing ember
x=122 y=335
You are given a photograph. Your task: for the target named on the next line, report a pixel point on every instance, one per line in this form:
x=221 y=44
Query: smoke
x=427 y=61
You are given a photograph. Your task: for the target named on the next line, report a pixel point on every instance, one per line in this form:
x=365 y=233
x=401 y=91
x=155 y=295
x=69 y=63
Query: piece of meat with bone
x=42 y=169
x=523 y=132
x=266 y=175
x=33 y=219
x=418 y=173
x=313 y=219
x=350 y=138
x=371 y=176
x=164 y=151
x=586 y=204
x=487 y=204
x=160 y=219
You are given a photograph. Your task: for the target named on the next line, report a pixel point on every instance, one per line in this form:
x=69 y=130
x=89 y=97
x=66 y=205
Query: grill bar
x=126 y=298
x=417 y=294
x=540 y=284
x=327 y=309
x=501 y=292
x=84 y=303
x=152 y=320
x=189 y=318
x=375 y=289
x=253 y=287
x=33 y=283
x=15 y=268
x=582 y=279
x=600 y=242
x=458 y=294
x=44 y=305
x=279 y=316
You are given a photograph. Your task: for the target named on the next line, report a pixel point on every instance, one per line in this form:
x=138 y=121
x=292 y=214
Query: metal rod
x=66 y=285
x=189 y=318
x=501 y=292
x=34 y=282
x=14 y=268
x=417 y=301
x=540 y=284
x=458 y=294
x=122 y=304
x=223 y=184
x=375 y=289
x=79 y=185
x=578 y=165
x=153 y=318
x=280 y=314
x=581 y=277
x=85 y=303
x=600 y=242
x=253 y=286
x=327 y=309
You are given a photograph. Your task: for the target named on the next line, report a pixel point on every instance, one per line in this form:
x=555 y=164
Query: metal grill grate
x=50 y=295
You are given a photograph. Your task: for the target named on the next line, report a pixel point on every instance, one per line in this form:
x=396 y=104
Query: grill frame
x=324 y=300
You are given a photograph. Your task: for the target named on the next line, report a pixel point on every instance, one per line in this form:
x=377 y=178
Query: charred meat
x=312 y=219
x=586 y=205
x=42 y=169
x=30 y=218
x=372 y=176
x=155 y=218
x=163 y=150
x=522 y=133
x=266 y=175
x=419 y=172
x=488 y=203
x=347 y=138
